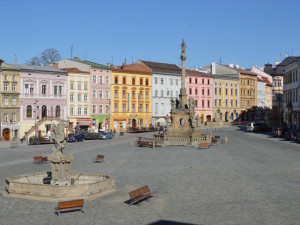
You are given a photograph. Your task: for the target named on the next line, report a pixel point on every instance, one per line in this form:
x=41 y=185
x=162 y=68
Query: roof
x=93 y=64
x=244 y=71
x=268 y=83
x=133 y=68
x=157 y=67
x=40 y=68
x=278 y=69
x=260 y=79
x=5 y=66
x=74 y=70
x=225 y=77
x=197 y=73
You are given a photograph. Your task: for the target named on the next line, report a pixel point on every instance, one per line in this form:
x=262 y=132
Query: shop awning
x=161 y=120
x=84 y=123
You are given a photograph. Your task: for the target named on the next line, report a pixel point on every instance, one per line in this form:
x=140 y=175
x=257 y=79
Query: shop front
x=83 y=123
x=120 y=124
x=100 y=123
x=10 y=130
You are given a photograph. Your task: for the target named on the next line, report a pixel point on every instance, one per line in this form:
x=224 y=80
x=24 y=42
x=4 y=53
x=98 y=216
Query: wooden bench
x=99 y=159
x=69 y=206
x=37 y=159
x=204 y=144
x=140 y=194
x=145 y=143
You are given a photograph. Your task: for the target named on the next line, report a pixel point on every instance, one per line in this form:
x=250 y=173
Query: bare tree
x=34 y=61
x=50 y=55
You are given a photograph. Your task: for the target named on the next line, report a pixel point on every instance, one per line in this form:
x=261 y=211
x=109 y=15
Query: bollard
x=72 y=181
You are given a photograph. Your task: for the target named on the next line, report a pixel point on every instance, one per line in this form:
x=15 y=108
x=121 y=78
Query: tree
x=48 y=56
x=34 y=61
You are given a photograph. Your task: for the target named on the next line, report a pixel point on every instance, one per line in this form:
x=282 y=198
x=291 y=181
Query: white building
x=166 y=83
x=261 y=92
x=291 y=93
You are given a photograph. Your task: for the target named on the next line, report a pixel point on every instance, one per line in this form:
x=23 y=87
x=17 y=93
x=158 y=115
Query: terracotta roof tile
x=162 y=67
x=242 y=70
x=135 y=68
x=74 y=70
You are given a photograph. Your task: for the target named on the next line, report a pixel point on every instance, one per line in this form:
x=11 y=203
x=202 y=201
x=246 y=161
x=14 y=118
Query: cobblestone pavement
x=254 y=179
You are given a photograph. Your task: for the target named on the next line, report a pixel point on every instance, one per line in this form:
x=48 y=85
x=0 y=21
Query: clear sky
x=242 y=32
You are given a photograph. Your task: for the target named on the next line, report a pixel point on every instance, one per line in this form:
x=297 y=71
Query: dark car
x=262 y=128
x=289 y=135
x=76 y=138
x=106 y=135
x=90 y=136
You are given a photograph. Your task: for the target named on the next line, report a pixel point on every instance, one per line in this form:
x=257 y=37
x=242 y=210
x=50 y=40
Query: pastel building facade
x=261 y=92
x=43 y=99
x=9 y=101
x=200 y=87
x=166 y=80
x=131 y=103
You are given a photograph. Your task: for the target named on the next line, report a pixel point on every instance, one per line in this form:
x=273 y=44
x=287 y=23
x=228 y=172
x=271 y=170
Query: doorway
x=44 y=111
x=133 y=123
x=6 y=134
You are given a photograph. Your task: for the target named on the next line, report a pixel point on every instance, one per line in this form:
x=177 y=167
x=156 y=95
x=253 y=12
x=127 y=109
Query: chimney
x=268 y=68
x=231 y=65
x=237 y=66
x=1 y=61
x=55 y=65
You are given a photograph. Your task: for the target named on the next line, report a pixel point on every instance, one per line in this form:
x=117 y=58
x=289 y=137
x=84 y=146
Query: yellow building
x=131 y=101
x=78 y=83
x=226 y=98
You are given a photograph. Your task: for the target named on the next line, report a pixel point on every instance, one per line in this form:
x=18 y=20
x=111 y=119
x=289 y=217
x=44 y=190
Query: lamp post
x=36 y=108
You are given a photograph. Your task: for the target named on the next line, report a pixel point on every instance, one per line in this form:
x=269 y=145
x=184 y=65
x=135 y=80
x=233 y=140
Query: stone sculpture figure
x=177 y=103
x=173 y=105
x=191 y=104
x=183 y=54
x=59 y=137
x=197 y=121
x=192 y=120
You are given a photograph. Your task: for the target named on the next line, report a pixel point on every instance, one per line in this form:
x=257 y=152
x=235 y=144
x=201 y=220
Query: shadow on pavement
x=169 y=222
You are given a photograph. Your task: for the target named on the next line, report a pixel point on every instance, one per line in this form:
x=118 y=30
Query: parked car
x=261 y=128
x=106 y=135
x=289 y=135
x=250 y=126
x=76 y=138
x=90 y=136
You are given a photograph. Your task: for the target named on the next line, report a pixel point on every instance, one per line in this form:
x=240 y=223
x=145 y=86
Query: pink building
x=200 y=87
x=42 y=98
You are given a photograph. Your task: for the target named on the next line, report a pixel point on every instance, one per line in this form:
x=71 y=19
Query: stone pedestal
x=60 y=168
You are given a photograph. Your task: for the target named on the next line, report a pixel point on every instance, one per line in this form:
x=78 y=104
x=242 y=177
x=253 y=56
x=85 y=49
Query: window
x=162 y=108
x=141 y=108
x=124 y=107
x=156 y=93
x=208 y=92
x=107 y=79
x=236 y=102
x=162 y=93
x=176 y=81
x=85 y=86
x=220 y=102
x=202 y=81
x=71 y=111
x=176 y=93
x=208 y=103
x=71 y=97
x=208 y=81
x=202 y=91
x=231 y=103
x=101 y=109
x=14 y=77
x=116 y=107
x=116 y=93
x=133 y=81
x=29 y=111
x=44 y=89
x=196 y=91
x=141 y=94
x=216 y=102
x=79 y=111
x=171 y=93
x=190 y=91
x=202 y=103
x=107 y=94
x=57 y=111
x=72 y=86
x=196 y=103
x=107 y=109
x=190 y=80
x=156 y=108
x=171 y=81
x=94 y=109
x=133 y=107
x=5 y=77
x=141 y=81
x=216 y=91
x=155 y=80
x=196 y=80
x=147 y=82
x=5 y=87
x=26 y=88
x=55 y=90
x=101 y=94
x=147 y=108
x=6 y=101
x=220 y=91
x=94 y=79
x=124 y=80
x=95 y=93
x=124 y=94
x=79 y=85
x=231 y=91
x=226 y=102
x=147 y=95
x=13 y=101
x=59 y=90
x=116 y=80
x=13 y=116
x=79 y=97
x=133 y=94
x=5 y=117
x=85 y=98
x=226 y=91
x=13 y=87
x=162 y=80
x=101 y=79
x=85 y=111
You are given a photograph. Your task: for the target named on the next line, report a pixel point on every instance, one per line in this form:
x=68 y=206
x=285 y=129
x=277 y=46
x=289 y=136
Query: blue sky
x=241 y=32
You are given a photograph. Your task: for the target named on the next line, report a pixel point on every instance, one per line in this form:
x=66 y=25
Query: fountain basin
x=37 y=186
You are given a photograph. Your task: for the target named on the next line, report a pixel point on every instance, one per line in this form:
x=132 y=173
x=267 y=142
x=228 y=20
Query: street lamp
x=36 y=108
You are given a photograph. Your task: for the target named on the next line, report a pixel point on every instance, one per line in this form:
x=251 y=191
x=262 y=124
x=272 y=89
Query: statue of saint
x=183 y=47
x=192 y=120
x=59 y=136
x=192 y=104
x=197 y=121
x=177 y=103
x=173 y=105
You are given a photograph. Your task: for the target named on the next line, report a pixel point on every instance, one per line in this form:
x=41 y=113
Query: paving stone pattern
x=254 y=179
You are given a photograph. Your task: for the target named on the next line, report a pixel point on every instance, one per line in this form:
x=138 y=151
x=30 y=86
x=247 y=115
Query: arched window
x=29 y=111
x=57 y=111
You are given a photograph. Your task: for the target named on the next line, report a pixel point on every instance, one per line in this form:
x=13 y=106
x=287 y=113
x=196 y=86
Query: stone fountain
x=60 y=183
